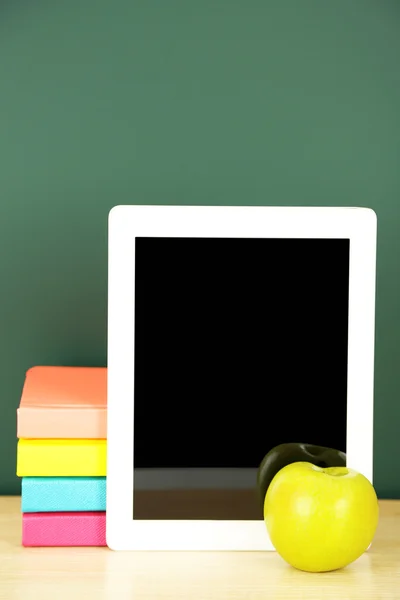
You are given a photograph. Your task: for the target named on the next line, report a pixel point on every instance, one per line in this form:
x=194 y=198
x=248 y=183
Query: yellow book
x=61 y=458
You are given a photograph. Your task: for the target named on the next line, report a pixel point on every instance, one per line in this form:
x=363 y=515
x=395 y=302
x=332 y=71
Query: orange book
x=63 y=403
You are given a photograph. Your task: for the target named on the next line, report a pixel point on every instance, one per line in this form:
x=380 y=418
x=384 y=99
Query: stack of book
x=61 y=456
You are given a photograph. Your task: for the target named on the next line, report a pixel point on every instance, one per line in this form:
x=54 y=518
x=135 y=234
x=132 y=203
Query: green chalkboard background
x=184 y=101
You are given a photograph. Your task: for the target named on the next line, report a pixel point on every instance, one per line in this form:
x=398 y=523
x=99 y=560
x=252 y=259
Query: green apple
x=320 y=519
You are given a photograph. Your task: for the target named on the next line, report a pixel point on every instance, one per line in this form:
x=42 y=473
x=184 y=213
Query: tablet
x=230 y=330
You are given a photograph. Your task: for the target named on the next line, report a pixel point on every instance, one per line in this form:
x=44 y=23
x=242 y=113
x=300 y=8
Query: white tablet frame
x=359 y=225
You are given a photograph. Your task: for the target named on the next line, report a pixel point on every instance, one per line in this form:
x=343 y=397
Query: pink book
x=63 y=403
x=64 y=529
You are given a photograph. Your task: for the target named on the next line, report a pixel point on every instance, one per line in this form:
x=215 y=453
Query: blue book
x=63 y=494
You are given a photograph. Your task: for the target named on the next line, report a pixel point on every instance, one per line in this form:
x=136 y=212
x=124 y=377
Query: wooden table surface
x=85 y=573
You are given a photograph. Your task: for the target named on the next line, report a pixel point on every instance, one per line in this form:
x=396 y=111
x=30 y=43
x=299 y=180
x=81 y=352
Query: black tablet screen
x=240 y=345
